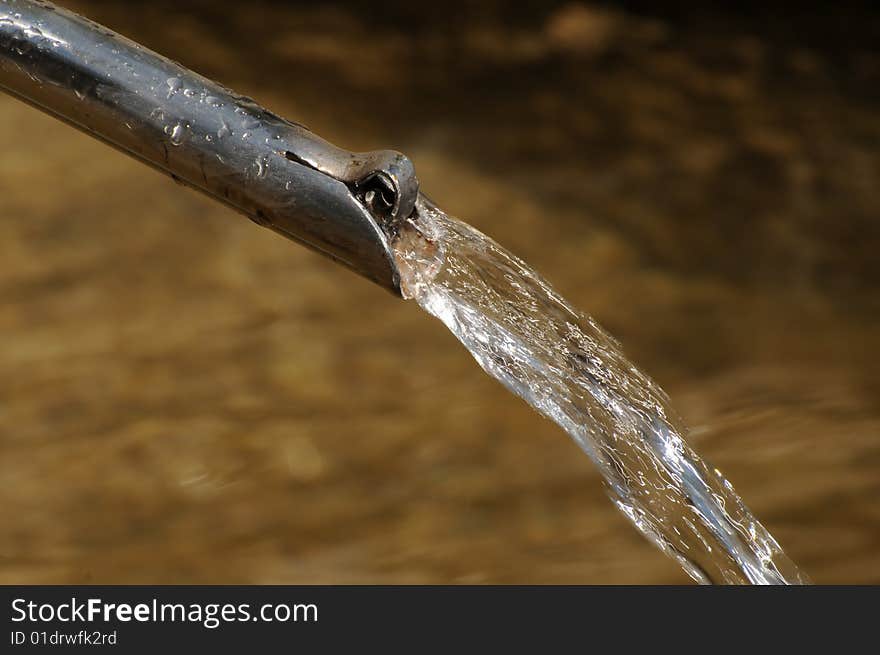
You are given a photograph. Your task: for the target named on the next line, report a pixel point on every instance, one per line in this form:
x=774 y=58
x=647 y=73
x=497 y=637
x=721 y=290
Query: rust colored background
x=185 y=397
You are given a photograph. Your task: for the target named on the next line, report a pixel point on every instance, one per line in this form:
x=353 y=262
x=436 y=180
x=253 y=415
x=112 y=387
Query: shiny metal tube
x=276 y=172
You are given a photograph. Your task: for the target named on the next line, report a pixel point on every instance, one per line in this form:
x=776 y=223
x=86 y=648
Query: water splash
x=564 y=365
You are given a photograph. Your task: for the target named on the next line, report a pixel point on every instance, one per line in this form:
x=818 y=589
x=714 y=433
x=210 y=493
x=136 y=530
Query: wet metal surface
x=201 y=134
x=186 y=398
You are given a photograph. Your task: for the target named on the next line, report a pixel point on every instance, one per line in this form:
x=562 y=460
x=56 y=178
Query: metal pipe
x=276 y=172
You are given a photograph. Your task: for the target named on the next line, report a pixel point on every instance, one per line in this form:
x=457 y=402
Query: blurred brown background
x=185 y=397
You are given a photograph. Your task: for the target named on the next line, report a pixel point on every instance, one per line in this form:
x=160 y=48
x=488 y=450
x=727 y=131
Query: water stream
x=564 y=365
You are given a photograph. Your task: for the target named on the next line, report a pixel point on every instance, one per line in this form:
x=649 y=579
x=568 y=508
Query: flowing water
x=564 y=365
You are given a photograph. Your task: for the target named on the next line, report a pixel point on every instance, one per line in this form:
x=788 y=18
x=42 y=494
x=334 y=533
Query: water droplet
x=262 y=166
x=173 y=86
x=175 y=132
x=189 y=93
